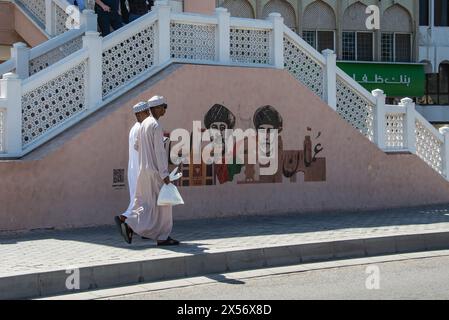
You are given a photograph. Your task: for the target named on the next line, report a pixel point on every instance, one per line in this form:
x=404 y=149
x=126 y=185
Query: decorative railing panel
x=303 y=67
x=62 y=19
x=429 y=147
x=2 y=130
x=36 y=7
x=51 y=57
x=53 y=103
x=395 y=131
x=355 y=109
x=128 y=59
x=250 y=46
x=193 y=41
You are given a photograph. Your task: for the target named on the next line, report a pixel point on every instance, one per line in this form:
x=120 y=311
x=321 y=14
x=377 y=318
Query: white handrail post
x=379 y=120
x=93 y=43
x=11 y=88
x=330 y=78
x=224 y=26
x=89 y=20
x=410 y=123
x=50 y=17
x=21 y=55
x=445 y=132
x=278 y=39
x=163 y=40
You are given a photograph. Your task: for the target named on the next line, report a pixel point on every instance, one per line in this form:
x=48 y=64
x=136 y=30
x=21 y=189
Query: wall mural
x=290 y=162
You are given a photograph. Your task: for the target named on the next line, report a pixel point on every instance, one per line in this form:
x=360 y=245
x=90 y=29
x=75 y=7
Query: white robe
x=133 y=167
x=147 y=219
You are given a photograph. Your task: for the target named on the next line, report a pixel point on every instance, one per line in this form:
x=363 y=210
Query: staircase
x=53 y=17
x=48 y=89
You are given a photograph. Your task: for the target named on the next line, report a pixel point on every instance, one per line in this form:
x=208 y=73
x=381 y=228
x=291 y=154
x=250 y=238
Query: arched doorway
x=357 y=41
x=319 y=24
x=397 y=35
x=285 y=9
x=239 y=8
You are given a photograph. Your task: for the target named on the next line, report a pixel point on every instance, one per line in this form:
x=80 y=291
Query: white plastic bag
x=169 y=194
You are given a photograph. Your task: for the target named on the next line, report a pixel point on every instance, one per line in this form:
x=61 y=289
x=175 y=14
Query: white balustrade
x=330 y=79
x=303 y=62
x=10 y=105
x=395 y=128
x=410 y=122
x=445 y=132
x=379 y=118
x=2 y=129
x=27 y=62
x=37 y=9
x=224 y=27
x=53 y=16
x=354 y=106
x=71 y=76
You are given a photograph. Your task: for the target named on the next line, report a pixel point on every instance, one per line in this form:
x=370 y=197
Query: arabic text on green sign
x=396 y=80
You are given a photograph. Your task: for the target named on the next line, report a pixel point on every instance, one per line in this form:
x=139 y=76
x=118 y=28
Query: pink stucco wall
x=199 y=6
x=27 y=30
x=71 y=185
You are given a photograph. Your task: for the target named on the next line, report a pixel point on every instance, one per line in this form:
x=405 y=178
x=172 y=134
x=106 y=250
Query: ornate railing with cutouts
x=26 y=62
x=34 y=107
x=53 y=17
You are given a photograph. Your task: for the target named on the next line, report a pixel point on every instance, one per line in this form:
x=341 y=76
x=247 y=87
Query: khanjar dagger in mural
x=290 y=162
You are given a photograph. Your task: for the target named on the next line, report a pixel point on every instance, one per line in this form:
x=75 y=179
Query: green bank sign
x=396 y=80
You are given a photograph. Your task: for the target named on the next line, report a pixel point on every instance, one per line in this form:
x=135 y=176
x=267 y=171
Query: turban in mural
x=219 y=113
x=267 y=115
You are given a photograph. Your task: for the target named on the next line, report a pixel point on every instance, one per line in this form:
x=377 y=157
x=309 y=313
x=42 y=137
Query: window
x=310 y=37
x=358 y=46
x=441 y=12
x=444 y=84
x=396 y=47
x=348 y=46
x=325 y=40
x=387 y=47
x=424 y=12
x=437 y=87
x=320 y=40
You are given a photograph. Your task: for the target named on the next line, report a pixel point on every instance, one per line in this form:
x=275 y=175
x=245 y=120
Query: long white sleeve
x=160 y=152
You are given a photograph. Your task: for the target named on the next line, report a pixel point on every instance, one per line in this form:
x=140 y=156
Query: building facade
x=340 y=25
x=434 y=52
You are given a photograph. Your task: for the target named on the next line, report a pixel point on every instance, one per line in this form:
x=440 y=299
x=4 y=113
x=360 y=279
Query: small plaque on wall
x=118 y=179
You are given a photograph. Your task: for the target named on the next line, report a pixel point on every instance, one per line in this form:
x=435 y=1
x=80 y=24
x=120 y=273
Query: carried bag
x=169 y=194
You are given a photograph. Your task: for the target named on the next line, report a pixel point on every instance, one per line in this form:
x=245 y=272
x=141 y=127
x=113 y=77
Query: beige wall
x=72 y=184
x=5 y=53
x=199 y=6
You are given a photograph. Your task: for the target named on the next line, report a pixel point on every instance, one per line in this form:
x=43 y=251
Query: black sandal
x=168 y=242
x=118 y=223
x=127 y=233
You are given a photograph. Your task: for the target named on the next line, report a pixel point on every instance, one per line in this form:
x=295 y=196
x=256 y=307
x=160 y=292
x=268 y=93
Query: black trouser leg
x=104 y=21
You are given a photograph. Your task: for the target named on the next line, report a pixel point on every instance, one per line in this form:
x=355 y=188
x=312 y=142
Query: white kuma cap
x=141 y=106
x=157 y=101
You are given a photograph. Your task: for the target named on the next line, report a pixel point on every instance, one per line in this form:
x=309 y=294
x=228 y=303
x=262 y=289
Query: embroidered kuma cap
x=157 y=101
x=141 y=106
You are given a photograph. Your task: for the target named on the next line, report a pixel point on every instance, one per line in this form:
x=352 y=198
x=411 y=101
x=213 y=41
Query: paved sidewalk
x=43 y=251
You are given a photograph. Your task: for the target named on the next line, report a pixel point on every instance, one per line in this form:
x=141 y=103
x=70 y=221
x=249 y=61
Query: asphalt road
x=425 y=278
